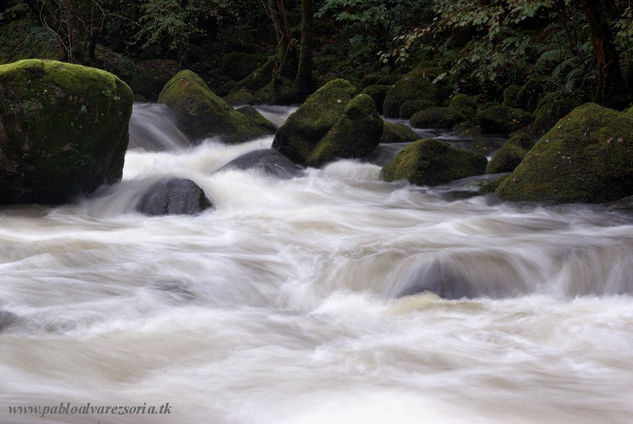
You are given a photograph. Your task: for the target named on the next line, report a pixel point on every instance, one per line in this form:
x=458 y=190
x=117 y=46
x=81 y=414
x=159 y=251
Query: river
x=285 y=304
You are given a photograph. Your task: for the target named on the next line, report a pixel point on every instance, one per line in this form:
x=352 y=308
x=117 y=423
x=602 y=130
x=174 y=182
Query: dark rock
x=511 y=153
x=63 y=130
x=503 y=119
x=239 y=97
x=411 y=107
x=416 y=85
x=552 y=107
x=256 y=117
x=378 y=93
x=268 y=160
x=7 y=319
x=436 y=117
x=439 y=279
x=397 y=133
x=175 y=196
x=240 y=65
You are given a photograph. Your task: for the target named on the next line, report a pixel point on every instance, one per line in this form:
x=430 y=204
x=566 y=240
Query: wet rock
x=63 y=130
x=268 y=160
x=378 y=93
x=436 y=117
x=7 y=319
x=397 y=133
x=441 y=280
x=416 y=85
x=251 y=113
x=176 y=196
x=503 y=119
x=511 y=153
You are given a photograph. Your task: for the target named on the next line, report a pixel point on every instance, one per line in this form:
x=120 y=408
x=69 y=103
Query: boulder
x=503 y=119
x=240 y=97
x=411 y=107
x=378 y=93
x=436 y=117
x=174 y=196
x=511 y=154
x=7 y=319
x=552 y=107
x=510 y=95
x=464 y=106
x=432 y=162
x=441 y=279
x=529 y=95
x=397 y=133
x=63 y=130
x=202 y=114
x=416 y=85
x=251 y=113
x=268 y=160
x=304 y=130
x=586 y=157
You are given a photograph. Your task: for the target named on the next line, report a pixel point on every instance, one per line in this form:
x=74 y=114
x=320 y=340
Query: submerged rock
x=7 y=319
x=441 y=280
x=331 y=123
x=202 y=114
x=268 y=160
x=63 y=130
x=432 y=162
x=176 y=196
x=586 y=157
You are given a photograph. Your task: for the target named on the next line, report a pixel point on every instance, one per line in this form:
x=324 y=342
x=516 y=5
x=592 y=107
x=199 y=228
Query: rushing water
x=285 y=304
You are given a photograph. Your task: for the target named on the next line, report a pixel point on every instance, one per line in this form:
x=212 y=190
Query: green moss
x=416 y=85
x=241 y=96
x=204 y=114
x=510 y=95
x=503 y=119
x=411 y=107
x=313 y=119
x=529 y=95
x=378 y=93
x=354 y=135
x=465 y=106
x=397 y=133
x=256 y=117
x=511 y=154
x=436 y=117
x=552 y=107
x=432 y=162
x=64 y=130
x=586 y=157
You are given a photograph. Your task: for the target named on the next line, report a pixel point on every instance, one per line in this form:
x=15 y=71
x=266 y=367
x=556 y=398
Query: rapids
x=302 y=300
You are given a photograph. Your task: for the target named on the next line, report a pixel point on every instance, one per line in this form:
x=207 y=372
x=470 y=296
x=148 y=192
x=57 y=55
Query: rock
x=240 y=65
x=440 y=279
x=7 y=319
x=378 y=93
x=203 y=114
x=174 y=196
x=436 y=117
x=464 y=106
x=416 y=85
x=511 y=154
x=251 y=113
x=239 y=97
x=529 y=95
x=467 y=129
x=63 y=130
x=432 y=162
x=268 y=160
x=411 y=107
x=510 y=95
x=503 y=119
x=623 y=205
x=354 y=135
x=552 y=107
x=397 y=133
x=151 y=76
x=586 y=157
x=260 y=77
x=305 y=128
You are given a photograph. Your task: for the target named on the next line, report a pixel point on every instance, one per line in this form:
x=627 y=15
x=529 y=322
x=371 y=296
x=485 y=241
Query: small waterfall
x=153 y=128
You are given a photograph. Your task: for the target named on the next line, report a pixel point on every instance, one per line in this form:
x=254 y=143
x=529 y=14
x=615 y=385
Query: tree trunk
x=613 y=90
x=303 y=81
x=279 y=18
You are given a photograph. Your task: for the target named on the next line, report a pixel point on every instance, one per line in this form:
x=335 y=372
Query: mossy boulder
x=510 y=95
x=354 y=135
x=202 y=114
x=63 y=130
x=240 y=97
x=251 y=113
x=416 y=85
x=436 y=117
x=552 y=107
x=304 y=129
x=503 y=119
x=464 y=105
x=530 y=94
x=511 y=154
x=378 y=93
x=432 y=162
x=240 y=65
x=151 y=76
x=397 y=133
x=586 y=157
x=411 y=107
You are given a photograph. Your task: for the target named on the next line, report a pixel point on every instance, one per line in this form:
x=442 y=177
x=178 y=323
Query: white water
x=281 y=305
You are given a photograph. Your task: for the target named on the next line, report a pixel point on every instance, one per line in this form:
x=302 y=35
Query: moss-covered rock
x=510 y=95
x=397 y=133
x=313 y=119
x=152 y=75
x=465 y=106
x=251 y=113
x=411 y=107
x=432 y=162
x=503 y=119
x=240 y=65
x=529 y=95
x=552 y=107
x=240 y=97
x=354 y=135
x=586 y=157
x=436 y=117
x=511 y=154
x=416 y=85
x=203 y=114
x=378 y=93
x=63 y=130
